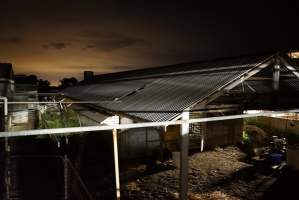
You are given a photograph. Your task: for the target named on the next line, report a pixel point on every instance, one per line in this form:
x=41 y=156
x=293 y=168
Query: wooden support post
x=184 y=157
x=116 y=166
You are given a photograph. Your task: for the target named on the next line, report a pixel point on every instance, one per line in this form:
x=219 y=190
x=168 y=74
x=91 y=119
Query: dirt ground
x=220 y=174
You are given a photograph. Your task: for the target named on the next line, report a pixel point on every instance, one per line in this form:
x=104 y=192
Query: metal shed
x=163 y=93
x=160 y=93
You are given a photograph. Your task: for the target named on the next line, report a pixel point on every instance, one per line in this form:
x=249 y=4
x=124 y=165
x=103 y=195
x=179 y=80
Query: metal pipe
x=137 y=125
x=116 y=165
x=5 y=102
x=7 y=150
x=38 y=94
x=60 y=102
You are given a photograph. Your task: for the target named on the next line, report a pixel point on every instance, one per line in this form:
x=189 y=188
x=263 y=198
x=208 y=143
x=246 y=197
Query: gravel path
x=218 y=174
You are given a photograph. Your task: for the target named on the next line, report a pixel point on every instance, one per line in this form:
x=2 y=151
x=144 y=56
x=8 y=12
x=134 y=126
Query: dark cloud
x=89 y=46
x=109 y=41
x=117 y=43
x=112 y=35
x=56 y=45
x=11 y=40
x=123 y=67
x=111 y=68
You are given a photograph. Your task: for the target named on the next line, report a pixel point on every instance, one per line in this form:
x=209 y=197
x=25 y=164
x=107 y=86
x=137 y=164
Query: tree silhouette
x=43 y=86
x=67 y=82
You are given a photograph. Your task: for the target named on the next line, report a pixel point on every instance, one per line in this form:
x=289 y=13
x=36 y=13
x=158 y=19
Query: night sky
x=56 y=39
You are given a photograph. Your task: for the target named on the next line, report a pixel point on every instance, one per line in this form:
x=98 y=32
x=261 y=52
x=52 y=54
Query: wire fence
x=50 y=175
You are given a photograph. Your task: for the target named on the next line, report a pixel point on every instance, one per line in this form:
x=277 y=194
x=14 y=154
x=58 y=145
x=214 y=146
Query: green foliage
x=56 y=119
x=245 y=137
x=247 y=143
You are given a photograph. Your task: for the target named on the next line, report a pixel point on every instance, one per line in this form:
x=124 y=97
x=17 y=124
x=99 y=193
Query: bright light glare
x=294 y=55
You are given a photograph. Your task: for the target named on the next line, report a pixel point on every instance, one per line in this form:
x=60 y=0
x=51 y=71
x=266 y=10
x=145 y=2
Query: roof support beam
x=184 y=157
x=276 y=75
x=227 y=87
x=290 y=67
x=247 y=75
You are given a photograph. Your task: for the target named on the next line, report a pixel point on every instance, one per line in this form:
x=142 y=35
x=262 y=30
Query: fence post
x=7 y=171
x=116 y=166
x=65 y=174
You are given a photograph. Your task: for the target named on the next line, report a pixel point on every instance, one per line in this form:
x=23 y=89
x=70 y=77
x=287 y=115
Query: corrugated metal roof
x=292 y=83
x=164 y=88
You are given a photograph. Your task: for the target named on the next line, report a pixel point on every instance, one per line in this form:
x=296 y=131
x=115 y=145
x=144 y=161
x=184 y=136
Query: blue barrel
x=275 y=158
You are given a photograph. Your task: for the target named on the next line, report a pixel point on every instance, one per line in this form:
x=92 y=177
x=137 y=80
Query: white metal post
x=276 y=74
x=4 y=99
x=184 y=157
x=202 y=142
x=7 y=148
x=116 y=166
x=203 y=131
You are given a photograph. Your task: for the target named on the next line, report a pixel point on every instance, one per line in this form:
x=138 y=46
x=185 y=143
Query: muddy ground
x=223 y=173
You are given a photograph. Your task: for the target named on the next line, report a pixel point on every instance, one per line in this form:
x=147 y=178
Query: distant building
x=6 y=79
x=26 y=83
x=6 y=88
x=18 y=88
x=88 y=75
x=24 y=116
